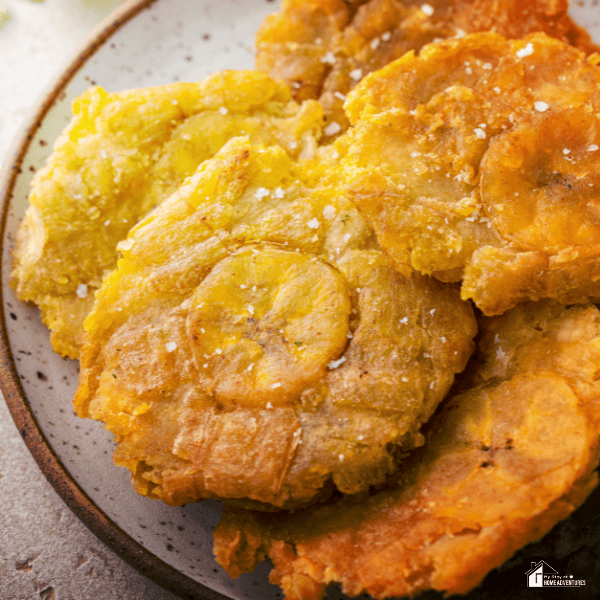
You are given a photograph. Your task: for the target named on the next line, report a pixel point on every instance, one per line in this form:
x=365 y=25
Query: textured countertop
x=45 y=551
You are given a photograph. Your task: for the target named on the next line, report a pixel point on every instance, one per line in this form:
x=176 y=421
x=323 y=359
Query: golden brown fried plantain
x=502 y=463
x=120 y=156
x=478 y=160
x=322 y=48
x=255 y=344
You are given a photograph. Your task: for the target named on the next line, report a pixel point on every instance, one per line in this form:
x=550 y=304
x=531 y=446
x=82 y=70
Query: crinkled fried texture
x=543 y=336
x=478 y=160
x=503 y=462
x=120 y=156
x=255 y=344
x=322 y=48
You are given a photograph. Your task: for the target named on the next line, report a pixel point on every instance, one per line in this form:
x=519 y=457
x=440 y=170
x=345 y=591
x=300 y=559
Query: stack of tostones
x=273 y=322
x=480 y=160
x=323 y=48
x=503 y=462
x=122 y=154
x=255 y=344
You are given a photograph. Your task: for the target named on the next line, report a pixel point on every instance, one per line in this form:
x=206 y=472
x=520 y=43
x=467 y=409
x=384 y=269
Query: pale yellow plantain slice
x=120 y=156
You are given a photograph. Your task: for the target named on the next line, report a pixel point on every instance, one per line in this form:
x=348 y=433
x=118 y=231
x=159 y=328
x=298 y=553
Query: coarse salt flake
x=261 y=193
x=329 y=213
x=250 y=309
x=333 y=128
x=527 y=51
x=405 y=379
x=279 y=193
x=341 y=457
x=541 y=106
x=387 y=36
x=334 y=364
x=313 y=223
x=218 y=351
x=427 y=9
x=375 y=42
x=82 y=290
x=339 y=95
x=329 y=58
x=276 y=385
x=269 y=405
x=103 y=153
x=356 y=74
x=592 y=148
x=171 y=346
x=404 y=320
x=566 y=151
x=346 y=238
x=480 y=133
x=223 y=110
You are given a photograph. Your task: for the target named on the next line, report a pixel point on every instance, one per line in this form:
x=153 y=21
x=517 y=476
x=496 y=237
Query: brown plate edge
x=53 y=469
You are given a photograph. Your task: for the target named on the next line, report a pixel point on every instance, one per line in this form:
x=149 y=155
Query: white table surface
x=45 y=551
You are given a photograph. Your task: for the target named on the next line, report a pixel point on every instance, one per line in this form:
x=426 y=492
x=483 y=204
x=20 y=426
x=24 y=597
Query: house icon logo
x=542 y=574
x=535 y=575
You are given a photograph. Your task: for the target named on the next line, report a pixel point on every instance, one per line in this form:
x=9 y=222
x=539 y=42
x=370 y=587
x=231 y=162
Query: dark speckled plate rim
x=54 y=470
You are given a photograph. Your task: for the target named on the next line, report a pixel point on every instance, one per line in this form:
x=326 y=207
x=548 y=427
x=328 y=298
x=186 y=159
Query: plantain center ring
x=265 y=323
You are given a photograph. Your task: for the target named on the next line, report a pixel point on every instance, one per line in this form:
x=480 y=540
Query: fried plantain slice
x=477 y=161
x=503 y=462
x=323 y=48
x=120 y=156
x=255 y=344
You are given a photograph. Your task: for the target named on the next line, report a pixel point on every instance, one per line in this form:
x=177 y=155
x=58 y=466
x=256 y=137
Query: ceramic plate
x=144 y=43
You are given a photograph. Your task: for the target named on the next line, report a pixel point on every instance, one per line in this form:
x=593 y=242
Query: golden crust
x=120 y=156
x=477 y=160
x=322 y=48
x=503 y=462
x=255 y=344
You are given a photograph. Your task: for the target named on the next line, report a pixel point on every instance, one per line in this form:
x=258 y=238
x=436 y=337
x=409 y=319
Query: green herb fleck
x=345 y=217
